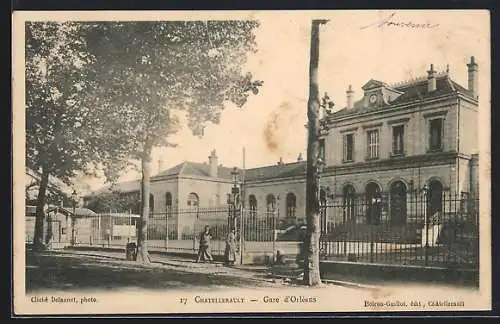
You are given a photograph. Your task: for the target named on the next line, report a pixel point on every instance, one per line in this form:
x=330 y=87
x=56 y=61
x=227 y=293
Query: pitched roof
x=416 y=90
x=276 y=171
x=82 y=212
x=195 y=169
x=373 y=84
x=126 y=186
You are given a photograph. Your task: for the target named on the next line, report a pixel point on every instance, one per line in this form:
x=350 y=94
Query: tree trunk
x=142 y=242
x=311 y=244
x=40 y=213
x=50 y=231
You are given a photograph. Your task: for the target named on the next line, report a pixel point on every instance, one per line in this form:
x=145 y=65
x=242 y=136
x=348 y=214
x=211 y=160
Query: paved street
x=168 y=279
x=109 y=270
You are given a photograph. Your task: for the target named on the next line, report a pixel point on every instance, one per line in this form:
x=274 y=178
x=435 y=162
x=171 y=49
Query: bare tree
x=311 y=245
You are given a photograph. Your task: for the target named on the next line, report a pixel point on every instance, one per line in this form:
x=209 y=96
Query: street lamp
x=233 y=198
x=74 y=197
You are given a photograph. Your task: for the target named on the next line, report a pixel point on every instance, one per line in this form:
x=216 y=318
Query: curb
x=350 y=284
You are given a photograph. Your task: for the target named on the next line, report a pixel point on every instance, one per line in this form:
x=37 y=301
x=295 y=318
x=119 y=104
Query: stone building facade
x=395 y=140
x=402 y=139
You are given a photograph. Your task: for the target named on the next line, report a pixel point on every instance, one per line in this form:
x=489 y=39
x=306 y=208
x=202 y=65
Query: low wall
x=333 y=269
x=457 y=276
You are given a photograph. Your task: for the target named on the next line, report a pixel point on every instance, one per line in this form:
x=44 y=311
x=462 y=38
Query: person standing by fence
x=230 y=251
x=204 y=250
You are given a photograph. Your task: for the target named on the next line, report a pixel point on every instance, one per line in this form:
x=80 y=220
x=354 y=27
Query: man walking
x=204 y=251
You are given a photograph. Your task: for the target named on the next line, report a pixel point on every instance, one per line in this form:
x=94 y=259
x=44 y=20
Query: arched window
x=373 y=200
x=168 y=199
x=270 y=203
x=193 y=200
x=252 y=205
x=151 y=203
x=168 y=203
x=349 y=195
x=322 y=197
x=322 y=210
x=291 y=205
x=434 y=198
x=398 y=203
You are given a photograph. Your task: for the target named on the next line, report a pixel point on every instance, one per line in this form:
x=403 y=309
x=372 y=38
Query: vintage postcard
x=251 y=161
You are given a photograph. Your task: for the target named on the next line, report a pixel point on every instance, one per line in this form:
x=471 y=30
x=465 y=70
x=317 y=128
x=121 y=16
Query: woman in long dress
x=230 y=251
x=204 y=251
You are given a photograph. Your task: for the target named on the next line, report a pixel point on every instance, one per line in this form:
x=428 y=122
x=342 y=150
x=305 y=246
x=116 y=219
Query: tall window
x=168 y=203
x=291 y=205
x=193 y=200
x=349 y=205
x=151 y=204
x=168 y=200
x=348 y=147
x=270 y=202
x=398 y=133
x=436 y=134
x=322 y=149
x=373 y=144
x=252 y=204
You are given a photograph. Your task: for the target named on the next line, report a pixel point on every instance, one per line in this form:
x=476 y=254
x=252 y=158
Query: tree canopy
x=149 y=70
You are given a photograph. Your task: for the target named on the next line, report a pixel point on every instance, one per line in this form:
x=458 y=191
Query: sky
x=271 y=125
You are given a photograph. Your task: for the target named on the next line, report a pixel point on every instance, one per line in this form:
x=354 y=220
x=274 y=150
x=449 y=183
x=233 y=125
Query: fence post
x=241 y=231
x=426 y=228
x=345 y=229
x=371 y=237
x=166 y=229
x=275 y=218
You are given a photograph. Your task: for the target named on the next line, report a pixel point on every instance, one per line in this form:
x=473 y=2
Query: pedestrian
x=204 y=251
x=230 y=251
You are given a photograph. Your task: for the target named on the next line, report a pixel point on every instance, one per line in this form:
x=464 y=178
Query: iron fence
x=178 y=230
x=409 y=229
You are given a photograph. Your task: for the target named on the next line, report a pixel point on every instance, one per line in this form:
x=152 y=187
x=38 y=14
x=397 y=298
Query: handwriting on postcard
x=390 y=22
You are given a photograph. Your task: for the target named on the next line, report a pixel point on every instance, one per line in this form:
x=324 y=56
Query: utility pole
x=311 y=244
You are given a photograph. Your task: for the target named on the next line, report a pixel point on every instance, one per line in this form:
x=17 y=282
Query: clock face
x=373 y=98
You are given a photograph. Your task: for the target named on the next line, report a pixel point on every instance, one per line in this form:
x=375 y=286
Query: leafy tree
x=112 y=201
x=61 y=128
x=149 y=70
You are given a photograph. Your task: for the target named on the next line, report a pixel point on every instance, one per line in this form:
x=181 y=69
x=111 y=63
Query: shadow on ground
x=60 y=271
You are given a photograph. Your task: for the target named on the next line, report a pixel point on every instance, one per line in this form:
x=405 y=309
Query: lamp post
x=74 y=197
x=235 y=191
x=234 y=202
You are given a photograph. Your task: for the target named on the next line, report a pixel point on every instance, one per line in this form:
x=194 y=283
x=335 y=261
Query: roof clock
x=373 y=99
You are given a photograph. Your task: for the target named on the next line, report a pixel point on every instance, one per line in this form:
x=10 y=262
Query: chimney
x=431 y=79
x=280 y=162
x=212 y=164
x=299 y=158
x=161 y=164
x=349 y=97
x=473 y=80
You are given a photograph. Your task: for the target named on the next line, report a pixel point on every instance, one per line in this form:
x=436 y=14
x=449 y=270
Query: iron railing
x=409 y=229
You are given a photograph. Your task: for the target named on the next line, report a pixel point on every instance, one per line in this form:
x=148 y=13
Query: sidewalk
x=282 y=275
x=260 y=273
